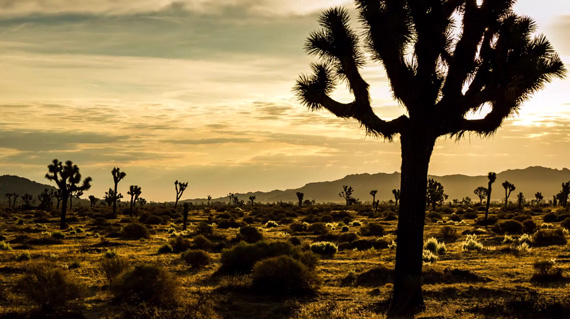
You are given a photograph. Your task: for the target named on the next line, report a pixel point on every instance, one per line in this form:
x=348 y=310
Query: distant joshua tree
x=67 y=178
x=251 y=199
x=509 y=188
x=15 y=196
x=232 y=198
x=346 y=193
x=373 y=193
x=396 y=193
x=538 y=197
x=111 y=197
x=9 y=195
x=481 y=192
x=435 y=193
x=117 y=177
x=209 y=199
x=135 y=191
x=492 y=177
x=141 y=201
x=300 y=197
x=563 y=195
x=93 y=200
x=180 y=188
x=520 y=200
x=27 y=198
x=46 y=198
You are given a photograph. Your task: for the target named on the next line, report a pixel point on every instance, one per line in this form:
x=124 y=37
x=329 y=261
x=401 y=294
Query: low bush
x=50 y=288
x=546 y=271
x=433 y=215
x=135 y=231
x=146 y=283
x=372 y=229
x=196 y=258
x=57 y=235
x=201 y=242
x=549 y=237
x=5 y=246
x=491 y=220
x=318 y=228
x=549 y=218
x=179 y=244
x=283 y=276
x=324 y=248
x=249 y=234
x=471 y=243
x=24 y=256
x=428 y=256
x=471 y=214
x=205 y=229
x=510 y=226
x=112 y=267
x=566 y=223
x=165 y=249
x=529 y=226
x=562 y=216
x=271 y=224
x=448 y=233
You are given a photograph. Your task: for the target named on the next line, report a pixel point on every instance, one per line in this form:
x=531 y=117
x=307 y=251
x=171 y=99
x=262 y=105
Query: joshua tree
x=209 y=199
x=141 y=201
x=93 y=200
x=435 y=193
x=111 y=197
x=180 y=188
x=509 y=188
x=135 y=192
x=300 y=198
x=232 y=198
x=77 y=194
x=67 y=178
x=15 y=199
x=520 y=200
x=117 y=177
x=439 y=70
x=563 y=198
x=185 y=211
x=373 y=193
x=45 y=199
x=27 y=198
x=538 y=196
x=251 y=199
x=481 y=192
x=492 y=177
x=396 y=193
x=347 y=195
x=9 y=195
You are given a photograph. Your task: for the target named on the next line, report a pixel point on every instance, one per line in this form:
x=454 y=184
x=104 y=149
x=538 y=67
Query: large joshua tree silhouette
x=117 y=177
x=67 y=178
x=440 y=71
x=135 y=191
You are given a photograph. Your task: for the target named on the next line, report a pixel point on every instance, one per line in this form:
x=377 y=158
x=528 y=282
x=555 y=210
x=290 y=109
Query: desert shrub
x=455 y=217
x=549 y=218
x=491 y=220
x=448 y=233
x=135 y=231
x=249 y=220
x=566 y=223
x=295 y=241
x=241 y=258
x=510 y=226
x=151 y=219
x=205 y=229
x=365 y=244
x=112 y=267
x=50 y=288
x=57 y=235
x=297 y=227
x=548 y=237
x=271 y=224
x=471 y=214
x=562 y=216
x=529 y=226
x=179 y=244
x=471 y=243
x=201 y=242
x=24 y=256
x=522 y=217
x=356 y=223
x=327 y=218
x=284 y=276
x=347 y=237
x=344 y=229
x=5 y=246
x=372 y=229
x=196 y=258
x=146 y=283
x=433 y=215
x=545 y=271
x=428 y=256
x=318 y=228
x=165 y=249
x=249 y=234
x=435 y=247
x=324 y=248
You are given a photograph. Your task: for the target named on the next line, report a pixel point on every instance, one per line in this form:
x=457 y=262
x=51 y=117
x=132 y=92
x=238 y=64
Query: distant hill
x=528 y=181
x=20 y=186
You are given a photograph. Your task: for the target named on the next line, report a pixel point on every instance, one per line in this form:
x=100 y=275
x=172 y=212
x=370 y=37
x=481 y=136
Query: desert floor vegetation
x=278 y=261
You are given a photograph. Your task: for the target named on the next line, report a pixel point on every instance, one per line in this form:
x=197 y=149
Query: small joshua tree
x=300 y=197
x=492 y=177
x=396 y=193
x=231 y=196
x=251 y=199
x=117 y=177
x=563 y=198
x=67 y=178
x=135 y=191
x=481 y=192
x=141 y=201
x=180 y=188
x=46 y=198
x=185 y=212
x=27 y=198
x=347 y=195
x=9 y=195
x=111 y=197
x=509 y=188
x=435 y=194
x=93 y=200
x=538 y=196
x=15 y=199
x=520 y=200
x=209 y=199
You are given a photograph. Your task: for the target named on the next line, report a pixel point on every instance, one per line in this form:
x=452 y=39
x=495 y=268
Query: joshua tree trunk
x=417 y=148
x=63 y=223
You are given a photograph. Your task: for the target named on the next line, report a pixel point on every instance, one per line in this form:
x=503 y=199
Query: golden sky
x=201 y=91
